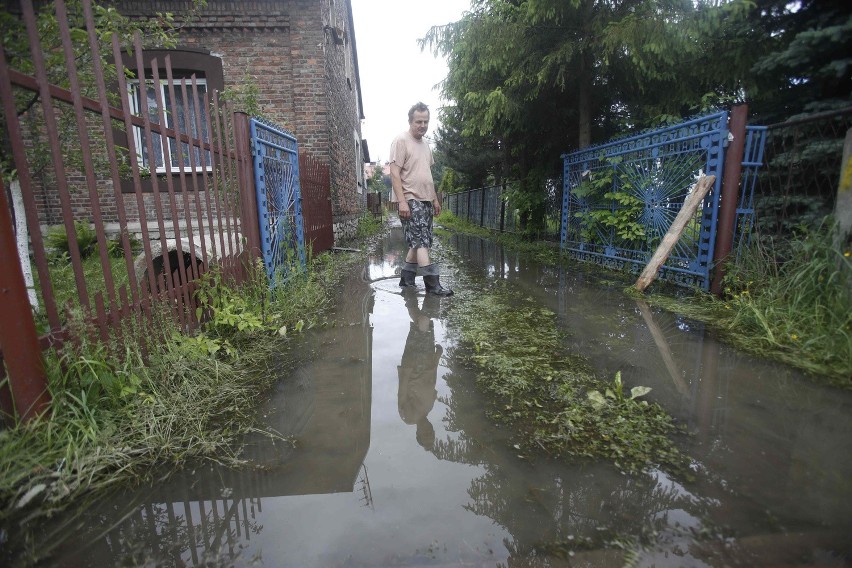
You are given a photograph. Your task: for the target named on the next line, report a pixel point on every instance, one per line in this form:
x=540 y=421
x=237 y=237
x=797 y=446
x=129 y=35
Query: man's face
x=419 y=124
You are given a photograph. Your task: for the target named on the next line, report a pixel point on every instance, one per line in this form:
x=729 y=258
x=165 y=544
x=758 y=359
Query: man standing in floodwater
x=413 y=188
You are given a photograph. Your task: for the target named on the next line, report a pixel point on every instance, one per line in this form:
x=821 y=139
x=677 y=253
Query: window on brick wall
x=180 y=114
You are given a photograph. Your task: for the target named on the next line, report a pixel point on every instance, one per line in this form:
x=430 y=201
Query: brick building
x=301 y=58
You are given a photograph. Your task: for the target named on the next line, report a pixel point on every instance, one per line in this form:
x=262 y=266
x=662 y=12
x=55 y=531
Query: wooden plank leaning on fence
x=690 y=206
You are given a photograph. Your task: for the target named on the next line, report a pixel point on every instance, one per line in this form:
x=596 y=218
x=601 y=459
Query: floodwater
x=396 y=464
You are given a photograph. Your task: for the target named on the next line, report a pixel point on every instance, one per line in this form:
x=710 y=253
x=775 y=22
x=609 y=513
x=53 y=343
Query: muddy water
x=395 y=463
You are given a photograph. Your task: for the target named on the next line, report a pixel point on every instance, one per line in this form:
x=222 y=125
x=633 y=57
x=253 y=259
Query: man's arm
x=396 y=183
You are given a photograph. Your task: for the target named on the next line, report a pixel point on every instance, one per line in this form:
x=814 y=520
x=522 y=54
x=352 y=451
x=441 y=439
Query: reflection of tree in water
x=465 y=402
x=462 y=451
x=560 y=507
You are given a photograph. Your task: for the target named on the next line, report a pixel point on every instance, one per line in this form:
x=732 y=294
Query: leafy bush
x=800 y=305
x=115 y=247
x=57 y=239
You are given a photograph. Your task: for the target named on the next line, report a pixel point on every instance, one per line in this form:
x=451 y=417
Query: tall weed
x=151 y=398
x=788 y=301
x=800 y=306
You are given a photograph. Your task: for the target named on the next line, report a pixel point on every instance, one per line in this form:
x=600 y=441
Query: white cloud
x=394 y=72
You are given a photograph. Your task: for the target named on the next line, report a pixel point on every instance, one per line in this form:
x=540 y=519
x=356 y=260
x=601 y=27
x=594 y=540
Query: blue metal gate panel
x=752 y=161
x=642 y=182
x=279 y=199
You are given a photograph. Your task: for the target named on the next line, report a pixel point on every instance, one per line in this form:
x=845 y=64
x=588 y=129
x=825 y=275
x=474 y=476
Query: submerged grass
x=798 y=311
x=118 y=418
x=552 y=398
x=545 y=252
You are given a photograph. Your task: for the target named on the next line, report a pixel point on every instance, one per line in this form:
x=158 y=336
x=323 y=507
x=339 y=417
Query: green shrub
x=800 y=306
x=115 y=247
x=369 y=225
x=58 y=242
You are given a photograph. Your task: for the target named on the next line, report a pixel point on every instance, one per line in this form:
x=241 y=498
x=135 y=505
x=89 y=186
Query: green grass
x=117 y=419
x=798 y=311
x=545 y=252
x=64 y=284
x=550 y=399
x=369 y=225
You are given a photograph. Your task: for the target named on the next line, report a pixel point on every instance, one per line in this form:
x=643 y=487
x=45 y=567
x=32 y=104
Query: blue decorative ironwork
x=279 y=199
x=752 y=161
x=620 y=198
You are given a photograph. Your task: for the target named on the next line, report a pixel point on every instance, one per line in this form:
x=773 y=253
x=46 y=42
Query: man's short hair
x=419 y=107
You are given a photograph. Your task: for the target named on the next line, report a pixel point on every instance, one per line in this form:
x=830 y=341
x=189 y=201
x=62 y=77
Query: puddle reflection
x=387 y=381
x=418 y=370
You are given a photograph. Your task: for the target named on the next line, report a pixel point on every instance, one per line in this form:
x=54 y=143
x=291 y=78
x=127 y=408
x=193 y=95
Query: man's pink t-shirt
x=414 y=158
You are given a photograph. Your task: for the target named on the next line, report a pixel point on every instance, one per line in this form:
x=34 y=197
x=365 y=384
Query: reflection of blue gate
x=279 y=199
x=620 y=198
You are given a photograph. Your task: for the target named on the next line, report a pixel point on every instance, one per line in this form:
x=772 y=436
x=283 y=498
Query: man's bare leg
x=419 y=255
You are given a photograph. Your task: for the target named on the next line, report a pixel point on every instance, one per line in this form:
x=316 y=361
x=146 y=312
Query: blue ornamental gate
x=620 y=198
x=279 y=199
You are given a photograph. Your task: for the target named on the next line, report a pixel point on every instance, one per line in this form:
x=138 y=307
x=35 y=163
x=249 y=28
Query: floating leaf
x=636 y=392
x=596 y=399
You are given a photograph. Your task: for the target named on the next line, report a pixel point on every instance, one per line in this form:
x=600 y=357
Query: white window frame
x=134 y=102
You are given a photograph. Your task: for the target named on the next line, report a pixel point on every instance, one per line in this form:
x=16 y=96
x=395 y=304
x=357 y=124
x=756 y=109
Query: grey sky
x=395 y=74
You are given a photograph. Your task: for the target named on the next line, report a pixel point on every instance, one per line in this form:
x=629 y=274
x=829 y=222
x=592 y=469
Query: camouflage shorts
x=418 y=227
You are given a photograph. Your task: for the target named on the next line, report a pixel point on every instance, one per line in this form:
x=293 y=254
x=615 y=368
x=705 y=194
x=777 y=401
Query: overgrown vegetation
x=118 y=414
x=552 y=399
x=368 y=225
x=622 y=219
x=541 y=251
x=61 y=270
x=797 y=311
x=59 y=242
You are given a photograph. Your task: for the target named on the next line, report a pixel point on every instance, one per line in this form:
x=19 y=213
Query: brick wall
x=288 y=49
x=344 y=120
x=305 y=76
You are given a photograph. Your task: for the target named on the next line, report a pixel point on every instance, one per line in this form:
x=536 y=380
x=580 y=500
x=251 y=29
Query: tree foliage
x=531 y=79
x=376 y=182
x=161 y=30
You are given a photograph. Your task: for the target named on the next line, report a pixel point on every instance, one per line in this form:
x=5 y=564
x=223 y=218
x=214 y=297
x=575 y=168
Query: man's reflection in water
x=418 y=370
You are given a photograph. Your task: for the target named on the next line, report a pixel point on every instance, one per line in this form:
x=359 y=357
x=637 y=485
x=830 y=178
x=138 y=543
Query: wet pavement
x=396 y=464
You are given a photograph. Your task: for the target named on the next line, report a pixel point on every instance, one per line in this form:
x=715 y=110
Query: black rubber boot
x=433 y=281
x=409 y=271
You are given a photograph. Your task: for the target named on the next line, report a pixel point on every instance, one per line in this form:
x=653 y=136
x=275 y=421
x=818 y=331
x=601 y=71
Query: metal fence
x=194 y=168
x=621 y=198
x=315 y=182
x=798 y=184
x=493 y=208
x=147 y=194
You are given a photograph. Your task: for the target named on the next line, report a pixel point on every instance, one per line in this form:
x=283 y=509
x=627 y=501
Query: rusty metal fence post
x=730 y=195
x=18 y=337
x=248 y=196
